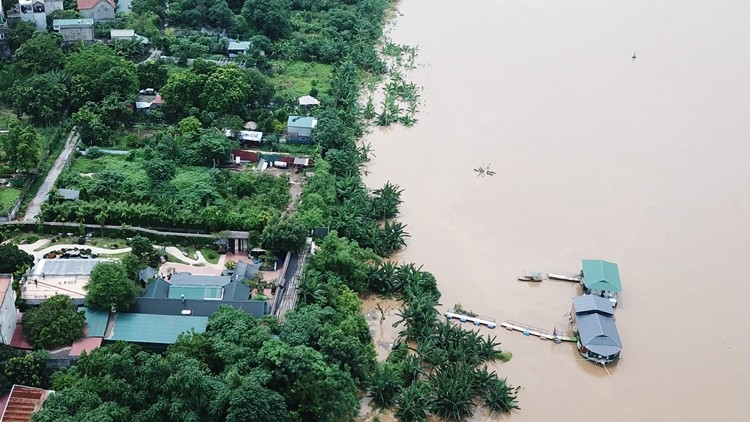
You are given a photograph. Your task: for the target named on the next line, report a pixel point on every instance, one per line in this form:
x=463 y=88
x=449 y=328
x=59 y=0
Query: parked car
x=147 y=91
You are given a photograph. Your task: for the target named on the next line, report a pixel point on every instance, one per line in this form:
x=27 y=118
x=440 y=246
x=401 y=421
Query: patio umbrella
x=308 y=101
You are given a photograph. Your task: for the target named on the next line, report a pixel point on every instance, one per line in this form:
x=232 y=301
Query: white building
x=35 y=11
x=8 y=312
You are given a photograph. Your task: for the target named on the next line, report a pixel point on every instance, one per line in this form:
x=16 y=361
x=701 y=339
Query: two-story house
x=98 y=10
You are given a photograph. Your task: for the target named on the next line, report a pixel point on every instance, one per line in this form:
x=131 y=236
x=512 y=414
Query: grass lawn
x=211 y=255
x=296 y=78
x=8 y=197
x=174 y=259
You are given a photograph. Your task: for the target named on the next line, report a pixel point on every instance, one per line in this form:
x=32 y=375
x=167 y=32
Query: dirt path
x=41 y=196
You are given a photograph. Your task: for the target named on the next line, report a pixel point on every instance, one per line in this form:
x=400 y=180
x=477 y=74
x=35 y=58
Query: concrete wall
x=76 y=34
x=8 y=312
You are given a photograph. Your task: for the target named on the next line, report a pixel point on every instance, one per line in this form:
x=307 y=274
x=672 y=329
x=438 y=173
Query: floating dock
x=528 y=330
x=476 y=320
x=575 y=279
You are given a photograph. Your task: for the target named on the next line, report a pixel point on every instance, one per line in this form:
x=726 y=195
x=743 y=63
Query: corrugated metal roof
x=601 y=275
x=592 y=303
x=302 y=121
x=241 y=45
x=96 y=321
x=154 y=329
x=86 y=344
x=65 y=267
x=23 y=402
x=198 y=307
x=199 y=280
x=69 y=194
x=196 y=292
x=598 y=333
x=121 y=33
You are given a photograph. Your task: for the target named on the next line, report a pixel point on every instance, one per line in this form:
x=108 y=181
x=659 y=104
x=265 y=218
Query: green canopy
x=601 y=275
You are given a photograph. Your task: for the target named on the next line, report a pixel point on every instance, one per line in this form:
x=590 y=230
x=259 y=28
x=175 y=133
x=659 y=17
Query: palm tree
x=500 y=397
x=453 y=395
x=414 y=402
x=385 y=383
x=386 y=200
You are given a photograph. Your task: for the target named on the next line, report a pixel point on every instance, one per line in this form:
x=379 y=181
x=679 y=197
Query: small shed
x=122 y=34
x=68 y=194
x=238 y=47
x=250 y=136
x=299 y=129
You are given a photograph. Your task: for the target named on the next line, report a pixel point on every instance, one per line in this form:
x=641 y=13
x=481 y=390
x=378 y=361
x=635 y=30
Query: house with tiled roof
x=98 y=10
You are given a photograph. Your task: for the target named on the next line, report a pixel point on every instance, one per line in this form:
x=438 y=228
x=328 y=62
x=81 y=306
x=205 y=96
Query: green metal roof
x=601 y=275
x=155 y=329
x=195 y=292
x=96 y=321
x=301 y=121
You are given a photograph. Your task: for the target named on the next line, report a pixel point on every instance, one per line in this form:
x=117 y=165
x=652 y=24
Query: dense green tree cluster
x=13 y=259
x=110 y=288
x=241 y=369
x=54 y=323
x=155 y=187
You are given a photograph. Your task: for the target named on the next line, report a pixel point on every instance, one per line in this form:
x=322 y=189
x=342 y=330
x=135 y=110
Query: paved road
x=155 y=55
x=41 y=196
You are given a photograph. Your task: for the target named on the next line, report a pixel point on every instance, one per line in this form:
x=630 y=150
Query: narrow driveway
x=154 y=56
x=36 y=204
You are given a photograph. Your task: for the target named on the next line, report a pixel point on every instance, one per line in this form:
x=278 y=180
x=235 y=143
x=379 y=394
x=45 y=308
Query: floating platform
x=528 y=330
x=476 y=320
x=535 y=276
x=575 y=279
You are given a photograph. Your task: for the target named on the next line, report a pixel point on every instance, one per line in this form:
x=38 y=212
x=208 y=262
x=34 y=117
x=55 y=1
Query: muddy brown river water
x=643 y=162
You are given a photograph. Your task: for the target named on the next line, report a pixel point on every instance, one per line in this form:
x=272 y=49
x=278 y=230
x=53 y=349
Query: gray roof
x=236 y=291
x=69 y=194
x=199 y=307
x=66 y=267
x=199 y=280
x=244 y=270
x=241 y=45
x=157 y=289
x=598 y=333
x=147 y=273
x=592 y=303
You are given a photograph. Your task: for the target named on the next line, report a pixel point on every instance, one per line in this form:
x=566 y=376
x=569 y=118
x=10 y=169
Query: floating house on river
x=598 y=339
x=601 y=278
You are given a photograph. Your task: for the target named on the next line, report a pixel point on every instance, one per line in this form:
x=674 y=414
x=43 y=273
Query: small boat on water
x=575 y=279
x=535 y=276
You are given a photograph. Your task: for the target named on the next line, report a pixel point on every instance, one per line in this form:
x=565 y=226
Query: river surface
x=642 y=162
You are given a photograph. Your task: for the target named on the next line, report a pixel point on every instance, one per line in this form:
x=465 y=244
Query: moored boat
x=535 y=276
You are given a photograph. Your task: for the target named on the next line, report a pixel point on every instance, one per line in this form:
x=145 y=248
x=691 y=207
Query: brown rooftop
x=23 y=403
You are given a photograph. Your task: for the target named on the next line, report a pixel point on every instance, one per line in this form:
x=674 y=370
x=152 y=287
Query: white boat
x=535 y=276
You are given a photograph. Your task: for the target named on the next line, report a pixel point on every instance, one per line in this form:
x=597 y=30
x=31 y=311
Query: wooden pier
x=575 y=279
x=528 y=330
x=476 y=320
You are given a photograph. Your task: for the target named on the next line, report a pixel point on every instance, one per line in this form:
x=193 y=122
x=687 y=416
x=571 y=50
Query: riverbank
x=597 y=156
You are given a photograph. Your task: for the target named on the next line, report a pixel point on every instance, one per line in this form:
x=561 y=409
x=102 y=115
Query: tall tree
x=110 y=287
x=12 y=259
x=284 y=234
x=55 y=322
x=227 y=90
x=21 y=145
x=40 y=54
x=43 y=97
x=19 y=32
x=272 y=18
